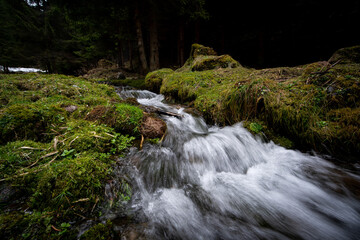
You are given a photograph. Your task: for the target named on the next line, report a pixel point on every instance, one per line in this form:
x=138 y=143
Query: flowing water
x=206 y=182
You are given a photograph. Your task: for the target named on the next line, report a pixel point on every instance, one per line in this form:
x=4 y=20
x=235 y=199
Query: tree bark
x=197 y=31
x=130 y=55
x=140 y=41
x=121 y=52
x=181 y=43
x=154 y=42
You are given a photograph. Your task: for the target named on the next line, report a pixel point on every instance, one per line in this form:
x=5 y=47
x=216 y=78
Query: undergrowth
x=314 y=106
x=54 y=159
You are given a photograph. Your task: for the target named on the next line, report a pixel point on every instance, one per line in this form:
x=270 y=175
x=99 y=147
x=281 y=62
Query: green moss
x=56 y=162
x=29 y=121
x=122 y=117
x=213 y=62
x=128 y=118
x=99 y=232
x=153 y=80
x=200 y=50
x=20 y=154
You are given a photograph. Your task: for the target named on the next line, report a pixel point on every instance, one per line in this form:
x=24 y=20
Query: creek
x=209 y=182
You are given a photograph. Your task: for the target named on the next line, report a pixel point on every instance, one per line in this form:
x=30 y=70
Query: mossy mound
x=154 y=79
x=316 y=105
x=213 y=62
x=200 y=50
x=124 y=118
x=58 y=147
x=197 y=51
x=109 y=73
x=346 y=55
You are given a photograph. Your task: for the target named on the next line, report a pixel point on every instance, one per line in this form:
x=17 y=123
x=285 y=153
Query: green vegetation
x=316 y=105
x=153 y=80
x=59 y=140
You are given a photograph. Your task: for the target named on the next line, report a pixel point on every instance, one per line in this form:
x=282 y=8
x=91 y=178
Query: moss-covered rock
x=200 y=50
x=213 y=62
x=153 y=80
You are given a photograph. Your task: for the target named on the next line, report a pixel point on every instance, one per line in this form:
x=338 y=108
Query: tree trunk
x=140 y=41
x=181 y=43
x=121 y=52
x=261 y=48
x=197 y=31
x=154 y=42
x=6 y=69
x=130 y=55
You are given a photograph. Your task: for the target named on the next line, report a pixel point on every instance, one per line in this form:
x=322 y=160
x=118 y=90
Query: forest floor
x=61 y=139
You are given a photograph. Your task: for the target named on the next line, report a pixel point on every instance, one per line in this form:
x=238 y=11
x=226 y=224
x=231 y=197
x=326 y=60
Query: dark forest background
x=70 y=36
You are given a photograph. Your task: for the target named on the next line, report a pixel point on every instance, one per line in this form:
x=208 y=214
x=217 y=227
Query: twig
x=110 y=135
x=96 y=201
x=142 y=141
x=321 y=72
x=82 y=200
x=52 y=226
x=55 y=131
x=31 y=148
x=55 y=143
x=73 y=140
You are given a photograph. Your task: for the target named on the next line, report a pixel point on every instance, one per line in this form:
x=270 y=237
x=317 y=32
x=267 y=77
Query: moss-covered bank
x=316 y=106
x=60 y=138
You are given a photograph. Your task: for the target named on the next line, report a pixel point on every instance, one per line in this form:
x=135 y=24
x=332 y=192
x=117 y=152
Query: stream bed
x=207 y=182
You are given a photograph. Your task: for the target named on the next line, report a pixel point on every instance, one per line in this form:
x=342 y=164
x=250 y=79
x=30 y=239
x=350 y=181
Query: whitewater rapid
x=207 y=182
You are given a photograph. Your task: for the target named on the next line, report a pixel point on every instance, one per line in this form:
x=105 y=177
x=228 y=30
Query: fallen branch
x=328 y=67
x=322 y=72
x=158 y=111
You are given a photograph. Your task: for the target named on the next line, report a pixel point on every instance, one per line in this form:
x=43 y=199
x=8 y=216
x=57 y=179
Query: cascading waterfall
x=223 y=183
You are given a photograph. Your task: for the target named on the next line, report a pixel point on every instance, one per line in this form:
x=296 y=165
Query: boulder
x=200 y=50
x=214 y=62
x=103 y=63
